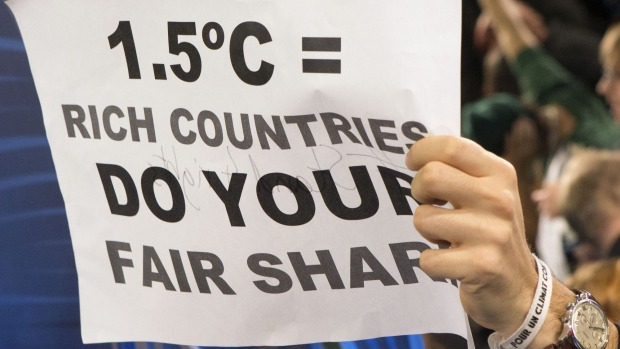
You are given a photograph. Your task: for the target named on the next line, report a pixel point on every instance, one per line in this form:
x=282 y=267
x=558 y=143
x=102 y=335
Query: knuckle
x=453 y=148
x=424 y=183
x=429 y=175
x=419 y=218
x=503 y=203
x=429 y=263
x=508 y=172
x=423 y=219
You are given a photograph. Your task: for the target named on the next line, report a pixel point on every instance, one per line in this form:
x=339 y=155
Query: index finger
x=460 y=153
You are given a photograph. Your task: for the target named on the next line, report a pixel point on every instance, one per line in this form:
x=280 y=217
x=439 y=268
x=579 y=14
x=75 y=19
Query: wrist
x=553 y=325
x=523 y=336
x=526 y=295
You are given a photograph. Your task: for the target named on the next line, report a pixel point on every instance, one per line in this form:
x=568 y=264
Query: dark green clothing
x=488 y=120
x=544 y=82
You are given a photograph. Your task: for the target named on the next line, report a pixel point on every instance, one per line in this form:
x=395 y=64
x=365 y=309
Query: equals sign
x=328 y=66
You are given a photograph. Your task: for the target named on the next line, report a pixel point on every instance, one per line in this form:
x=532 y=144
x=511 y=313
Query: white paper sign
x=233 y=170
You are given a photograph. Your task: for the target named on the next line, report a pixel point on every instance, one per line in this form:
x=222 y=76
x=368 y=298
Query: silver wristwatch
x=586 y=323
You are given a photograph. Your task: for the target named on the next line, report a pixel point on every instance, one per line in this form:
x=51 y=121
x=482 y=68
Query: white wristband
x=535 y=318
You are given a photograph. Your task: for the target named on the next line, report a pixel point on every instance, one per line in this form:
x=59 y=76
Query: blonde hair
x=609 y=48
x=602 y=280
x=589 y=193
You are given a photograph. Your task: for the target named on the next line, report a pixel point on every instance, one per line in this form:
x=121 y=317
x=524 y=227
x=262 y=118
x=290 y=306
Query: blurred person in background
x=609 y=84
x=569 y=31
x=567 y=108
x=589 y=198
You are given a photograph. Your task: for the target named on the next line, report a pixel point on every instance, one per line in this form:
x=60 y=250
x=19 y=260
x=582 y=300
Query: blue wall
x=38 y=283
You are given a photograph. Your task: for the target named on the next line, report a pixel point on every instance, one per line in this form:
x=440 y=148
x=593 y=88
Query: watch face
x=589 y=325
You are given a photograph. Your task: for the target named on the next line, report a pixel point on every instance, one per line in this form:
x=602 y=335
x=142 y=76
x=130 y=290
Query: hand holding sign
x=485 y=226
x=488 y=252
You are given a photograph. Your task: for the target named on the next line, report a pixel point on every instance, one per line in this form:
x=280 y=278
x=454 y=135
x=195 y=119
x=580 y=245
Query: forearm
x=513 y=35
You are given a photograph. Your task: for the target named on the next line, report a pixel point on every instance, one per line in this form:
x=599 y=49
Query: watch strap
x=565 y=343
